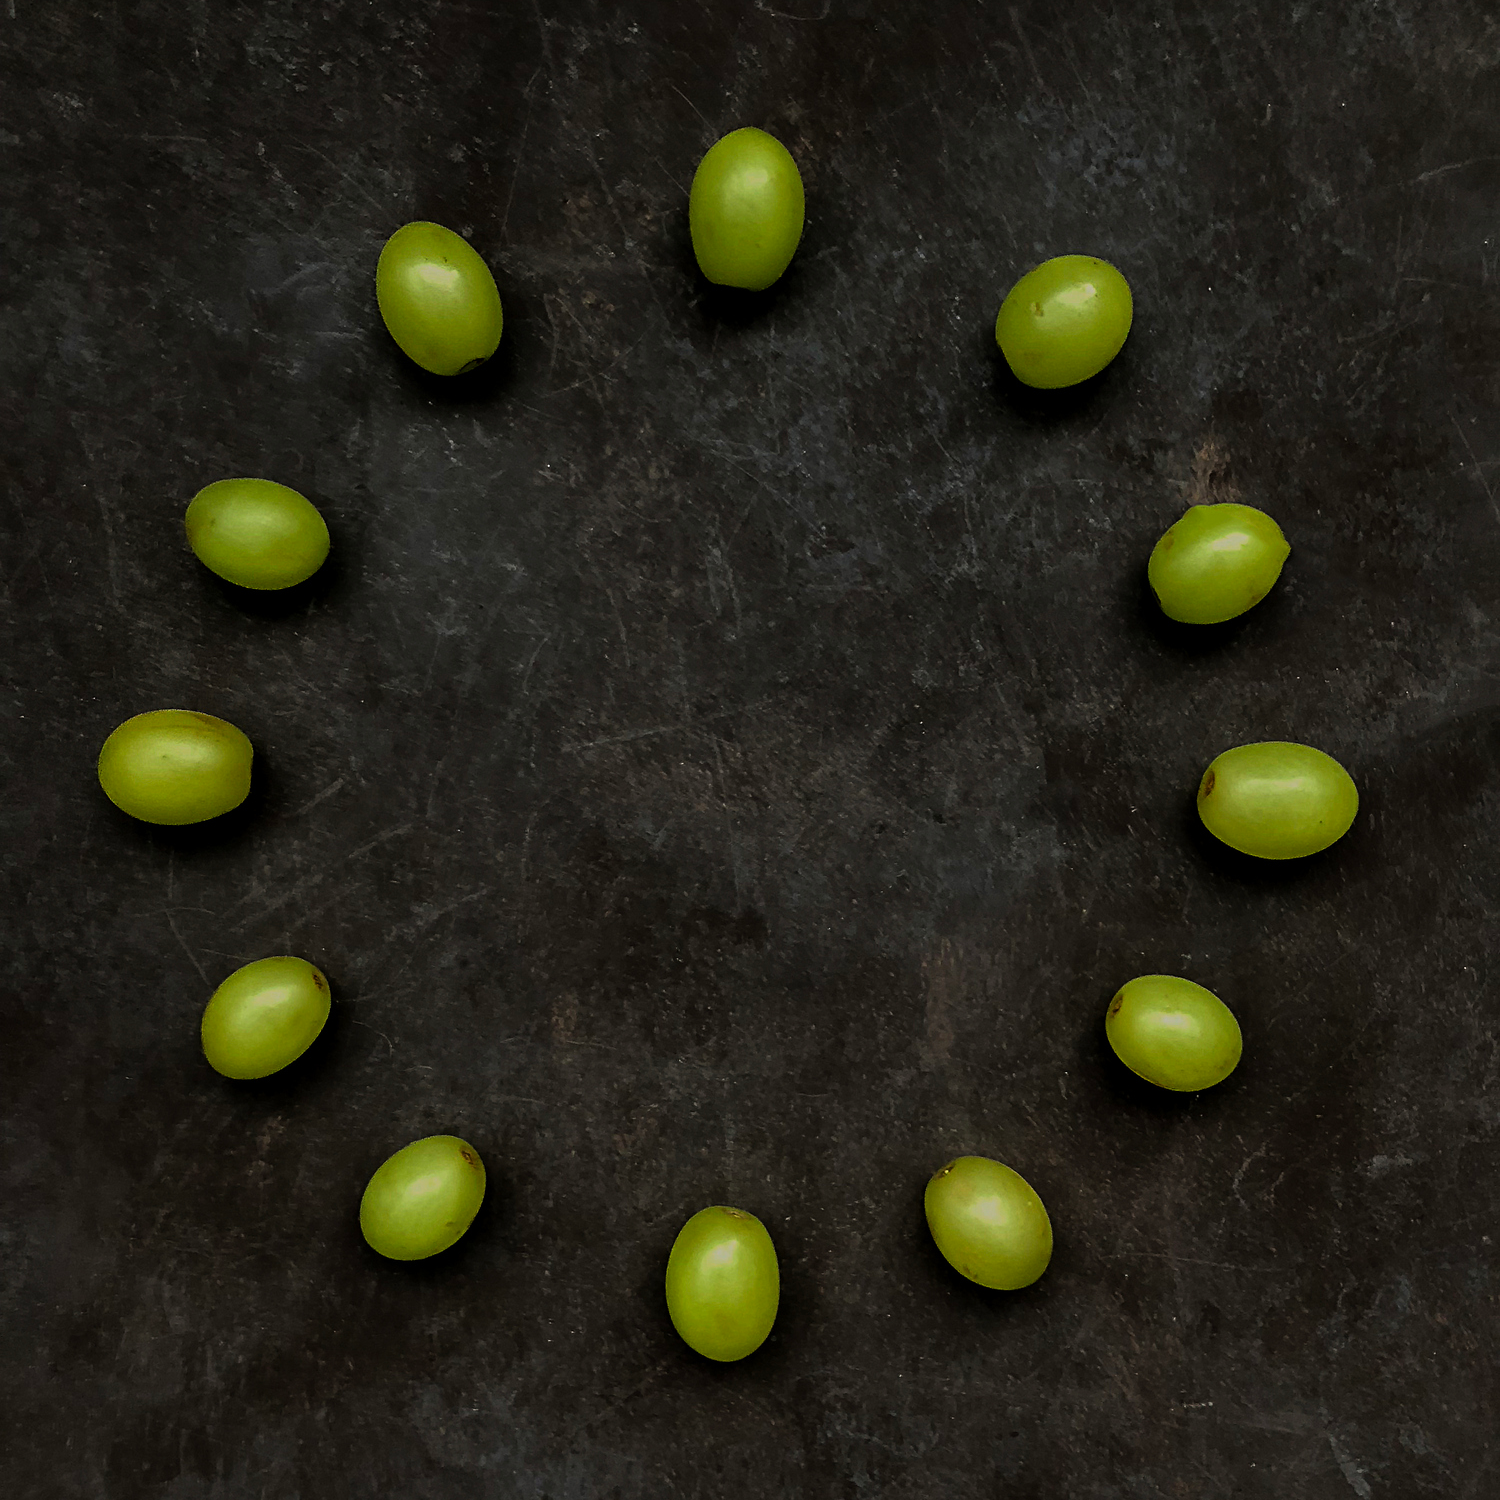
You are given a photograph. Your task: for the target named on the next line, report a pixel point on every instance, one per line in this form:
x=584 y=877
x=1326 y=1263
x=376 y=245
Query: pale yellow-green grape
x=256 y=533
x=264 y=1016
x=723 y=1284
x=1216 y=562
x=1277 y=800
x=746 y=210
x=438 y=299
x=1173 y=1033
x=1064 y=321
x=989 y=1223
x=175 y=766
x=422 y=1199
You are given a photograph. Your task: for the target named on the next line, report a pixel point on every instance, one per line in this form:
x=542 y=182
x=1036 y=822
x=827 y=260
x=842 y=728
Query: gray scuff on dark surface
x=730 y=755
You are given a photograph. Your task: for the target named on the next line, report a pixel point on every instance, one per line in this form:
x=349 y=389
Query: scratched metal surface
x=730 y=757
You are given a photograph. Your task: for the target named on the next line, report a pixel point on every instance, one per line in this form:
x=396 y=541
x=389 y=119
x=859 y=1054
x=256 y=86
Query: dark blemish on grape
x=1116 y=1003
x=473 y=364
x=944 y=1171
x=318 y=981
x=1207 y=789
x=468 y=1157
x=1036 y=309
x=735 y=1213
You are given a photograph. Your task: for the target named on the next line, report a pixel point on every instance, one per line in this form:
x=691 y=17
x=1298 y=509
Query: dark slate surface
x=730 y=756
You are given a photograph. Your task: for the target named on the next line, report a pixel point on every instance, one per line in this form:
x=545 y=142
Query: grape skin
x=264 y=1016
x=746 y=210
x=438 y=299
x=989 y=1223
x=1277 y=800
x=256 y=533
x=1216 y=562
x=1173 y=1033
x=175 y=766
x=723 y=1283
x=1064 y=321
x=422 y=1199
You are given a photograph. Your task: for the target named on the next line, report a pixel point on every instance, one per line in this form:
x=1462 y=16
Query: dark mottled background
x=730 y=756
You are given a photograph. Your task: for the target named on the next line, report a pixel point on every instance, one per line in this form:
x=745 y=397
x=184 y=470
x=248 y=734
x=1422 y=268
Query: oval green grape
x=1216 y=562
x=1277 y=800
x=175 y=766
x=256 y=533
x=421 y=1200
x=723 y=1283
x=264 y=1016
x=1064 y=321
x=1173 y=1033
x=989 y=1223
x=438 y=299
x=746 y=210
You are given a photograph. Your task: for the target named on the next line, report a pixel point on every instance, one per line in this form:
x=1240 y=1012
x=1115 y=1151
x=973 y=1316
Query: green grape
x=256 y=533
x=745 y=210
x=1174 y=1033
x=438 y=299
x=264 y=1016
x=1277 y=800
x=1064 y=321
x=175 y=766
x=422 y=1199
x=723 y=1285
x=1216 y=562
x=989 y=1223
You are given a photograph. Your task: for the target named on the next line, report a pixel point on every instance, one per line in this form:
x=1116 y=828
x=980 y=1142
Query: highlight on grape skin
x=264 y=1016
x=422 y=1199
x=746 y=210
x=256 y=533
x=1064 y=321
x=1173 y=1033
x=1276 y=799
x=1216 y=562
x=438 y=299
x=989 y=1223
x=175 y=766
x=723 y=1283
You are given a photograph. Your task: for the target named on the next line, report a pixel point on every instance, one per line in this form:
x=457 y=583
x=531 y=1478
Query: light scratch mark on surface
x=312 y=881
x=579 y=746
x=192 y=957
x=690 y=104
x=786 y=15
x=619 y=620
x=111 y=551
x=1188 y=1260
x=1484 y=483
x=389 y=1043
x=345 y=176
x=596 y=374
x=1452 y=166
x=1015 y=21
x=520 y=149
x=322 y=796
x=1350 y=1470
